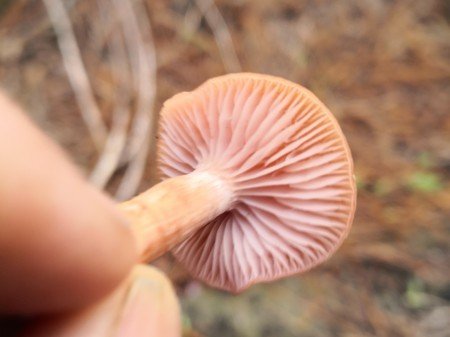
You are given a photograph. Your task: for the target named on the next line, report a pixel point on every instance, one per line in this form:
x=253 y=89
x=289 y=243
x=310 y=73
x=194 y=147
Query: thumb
x=144 y=305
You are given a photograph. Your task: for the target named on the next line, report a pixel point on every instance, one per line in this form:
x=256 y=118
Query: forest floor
x=383 y=69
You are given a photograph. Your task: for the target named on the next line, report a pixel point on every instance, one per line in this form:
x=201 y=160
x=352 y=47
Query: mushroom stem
x=166 y=214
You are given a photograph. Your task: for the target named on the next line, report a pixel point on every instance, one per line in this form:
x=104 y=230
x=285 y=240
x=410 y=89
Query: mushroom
x=257 y=182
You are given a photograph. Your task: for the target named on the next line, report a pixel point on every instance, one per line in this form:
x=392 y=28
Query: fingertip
x=63 y=243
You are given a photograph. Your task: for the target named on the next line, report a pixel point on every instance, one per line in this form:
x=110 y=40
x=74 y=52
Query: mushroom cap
x=288 y=164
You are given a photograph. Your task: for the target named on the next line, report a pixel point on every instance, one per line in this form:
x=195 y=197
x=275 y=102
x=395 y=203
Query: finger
x=62 y=243
x=151 y=308
x=145 y=305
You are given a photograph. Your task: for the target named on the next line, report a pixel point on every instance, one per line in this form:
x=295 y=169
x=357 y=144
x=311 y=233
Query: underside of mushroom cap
x=288 y=164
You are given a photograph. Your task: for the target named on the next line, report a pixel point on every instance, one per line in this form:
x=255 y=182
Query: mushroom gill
x=284 y=158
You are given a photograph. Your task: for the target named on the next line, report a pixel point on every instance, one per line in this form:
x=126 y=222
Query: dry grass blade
x=143 y=66
x=109 y=158
x=76 y=71
x=192 y=19
x=114 y=145
x=135 y=171
x=221 y=33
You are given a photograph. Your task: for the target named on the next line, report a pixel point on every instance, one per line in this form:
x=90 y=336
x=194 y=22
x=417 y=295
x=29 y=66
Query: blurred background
x=94 y=73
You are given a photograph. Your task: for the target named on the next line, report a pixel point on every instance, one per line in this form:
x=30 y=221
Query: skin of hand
x=66 y=253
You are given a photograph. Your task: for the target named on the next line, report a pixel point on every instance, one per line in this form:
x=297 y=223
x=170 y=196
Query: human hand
x=65 y=252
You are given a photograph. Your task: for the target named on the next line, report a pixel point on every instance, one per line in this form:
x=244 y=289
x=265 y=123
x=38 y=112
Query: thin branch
x=221 y=33
x=76 y=71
